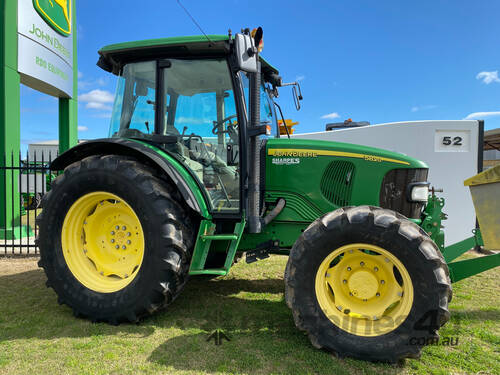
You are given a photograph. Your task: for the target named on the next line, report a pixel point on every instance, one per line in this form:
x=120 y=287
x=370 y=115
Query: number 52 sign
x=452 y=141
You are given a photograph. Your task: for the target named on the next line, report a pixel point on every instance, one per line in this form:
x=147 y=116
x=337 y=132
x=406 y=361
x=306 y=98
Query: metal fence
x=23 y=182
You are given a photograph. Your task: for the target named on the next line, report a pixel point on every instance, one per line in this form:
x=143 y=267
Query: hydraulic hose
x=274 y=212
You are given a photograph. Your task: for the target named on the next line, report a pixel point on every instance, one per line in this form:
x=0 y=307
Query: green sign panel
x=57 y=13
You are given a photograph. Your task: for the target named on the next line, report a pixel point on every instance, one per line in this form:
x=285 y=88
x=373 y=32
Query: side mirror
x=297 y=95
x=296 y=91
x=245 y=53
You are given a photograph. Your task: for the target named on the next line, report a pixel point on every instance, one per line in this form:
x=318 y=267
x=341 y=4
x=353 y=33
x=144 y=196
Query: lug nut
x=129 y=234
x=117 y=246
x=124 y=227
x=112 y=232
x=117 y=227
x=382 y=282
x=112 y=240
x=129 y=242
x=375 y=269
x=362 y=264
x=348 y=268
x=378 y=294
x=339 y=308
x=124 y=247
x=344 y=281
x=387 y=260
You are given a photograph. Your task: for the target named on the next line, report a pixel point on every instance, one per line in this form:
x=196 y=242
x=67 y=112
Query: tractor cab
x=188 y=96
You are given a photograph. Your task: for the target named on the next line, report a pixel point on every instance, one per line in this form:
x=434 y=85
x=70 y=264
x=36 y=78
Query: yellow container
x=289 y=125
x=485 y=190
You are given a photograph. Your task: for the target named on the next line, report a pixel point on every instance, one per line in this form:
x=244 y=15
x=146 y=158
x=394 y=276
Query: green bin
x=485 y=190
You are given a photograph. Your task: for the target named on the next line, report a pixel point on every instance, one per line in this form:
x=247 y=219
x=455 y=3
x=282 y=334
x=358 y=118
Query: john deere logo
x=57 y=13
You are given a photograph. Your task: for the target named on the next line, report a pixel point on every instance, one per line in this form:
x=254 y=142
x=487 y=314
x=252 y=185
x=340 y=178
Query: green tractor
x=194 y=173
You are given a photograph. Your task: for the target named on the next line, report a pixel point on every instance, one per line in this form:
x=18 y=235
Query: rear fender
x=146 y=153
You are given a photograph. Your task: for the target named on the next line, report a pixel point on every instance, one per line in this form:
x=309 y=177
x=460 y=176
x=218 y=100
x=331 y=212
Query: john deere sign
x=46 y=45
x=57 y=13
x=37 y=49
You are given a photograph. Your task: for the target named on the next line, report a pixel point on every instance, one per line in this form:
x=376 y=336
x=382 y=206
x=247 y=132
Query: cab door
x=198 y=102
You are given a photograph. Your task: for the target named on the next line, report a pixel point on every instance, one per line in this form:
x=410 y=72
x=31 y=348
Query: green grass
x=38 y=336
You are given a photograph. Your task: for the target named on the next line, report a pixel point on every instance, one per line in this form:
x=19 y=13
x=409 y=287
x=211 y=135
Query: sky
x=378 y=61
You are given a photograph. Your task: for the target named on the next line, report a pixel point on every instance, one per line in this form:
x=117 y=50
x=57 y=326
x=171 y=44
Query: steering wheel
x=218 y=123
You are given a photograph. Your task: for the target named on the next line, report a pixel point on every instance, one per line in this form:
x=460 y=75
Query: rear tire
x=419 y=275
x=102 y=294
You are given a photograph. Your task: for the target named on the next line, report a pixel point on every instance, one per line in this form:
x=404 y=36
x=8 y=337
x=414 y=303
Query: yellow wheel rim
x=364 y=289
x=102 y=242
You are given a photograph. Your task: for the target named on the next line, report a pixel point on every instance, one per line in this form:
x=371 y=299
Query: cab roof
x=114 y=56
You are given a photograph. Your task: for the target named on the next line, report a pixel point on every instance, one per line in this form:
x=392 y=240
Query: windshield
x=134 y=100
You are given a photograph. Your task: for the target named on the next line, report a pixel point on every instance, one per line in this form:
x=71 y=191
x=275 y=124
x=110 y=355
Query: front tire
x=115 y=240
x=367 y=283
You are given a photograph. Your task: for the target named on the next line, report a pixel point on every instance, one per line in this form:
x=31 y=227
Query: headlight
x=418 y=191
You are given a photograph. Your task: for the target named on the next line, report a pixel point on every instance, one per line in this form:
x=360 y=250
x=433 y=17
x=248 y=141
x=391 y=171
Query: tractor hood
x=305 y=148
x=315 y=177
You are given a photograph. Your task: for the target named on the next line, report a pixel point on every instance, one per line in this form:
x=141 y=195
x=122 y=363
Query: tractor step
x=219 y=237
x=206 y=235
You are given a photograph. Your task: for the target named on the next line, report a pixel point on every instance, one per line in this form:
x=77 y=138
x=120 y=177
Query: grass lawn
x=37 y=336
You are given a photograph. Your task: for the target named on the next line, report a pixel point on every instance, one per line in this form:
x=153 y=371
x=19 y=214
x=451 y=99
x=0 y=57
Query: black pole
x=480 y=147
x=254 y=224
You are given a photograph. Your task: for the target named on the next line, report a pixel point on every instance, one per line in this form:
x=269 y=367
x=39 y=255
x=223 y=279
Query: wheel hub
x=103 y=242
x=359 y=285
x=363 y=284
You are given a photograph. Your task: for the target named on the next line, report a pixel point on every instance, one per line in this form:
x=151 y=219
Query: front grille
x=337 y=182
x=393 y=191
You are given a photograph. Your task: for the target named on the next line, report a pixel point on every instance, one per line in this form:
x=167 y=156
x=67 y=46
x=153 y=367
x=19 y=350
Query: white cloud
x=88 y=83
x=97 y=99
x=481 y=115
x=97 y=105
x=300 y=78
x=330 y=116
x=423 y=107
x=193 y=120
x=82 y=128
x=102 y=115
x=488 y=77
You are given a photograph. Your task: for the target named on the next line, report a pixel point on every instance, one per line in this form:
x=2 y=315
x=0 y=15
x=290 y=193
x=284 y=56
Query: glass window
x=198 y=108
x=133 y=110
x=267 y=114
x=201 y=111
